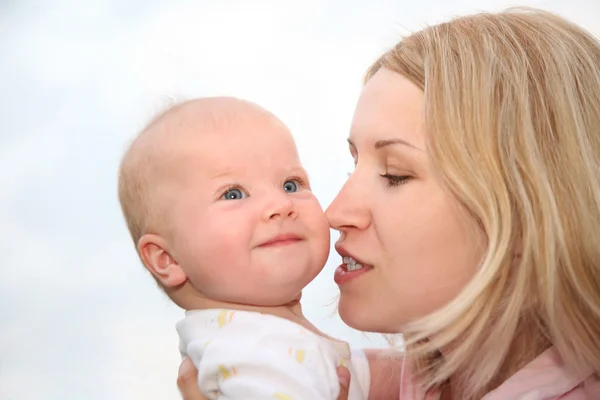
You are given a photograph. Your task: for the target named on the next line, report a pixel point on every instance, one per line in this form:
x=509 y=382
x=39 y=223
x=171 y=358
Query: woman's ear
x=153 y=252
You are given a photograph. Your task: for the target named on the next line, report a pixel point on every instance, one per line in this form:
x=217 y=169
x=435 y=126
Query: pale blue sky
x=79 y=317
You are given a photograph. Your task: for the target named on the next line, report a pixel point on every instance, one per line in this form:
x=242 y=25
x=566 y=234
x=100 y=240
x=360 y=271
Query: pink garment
x=545 y=378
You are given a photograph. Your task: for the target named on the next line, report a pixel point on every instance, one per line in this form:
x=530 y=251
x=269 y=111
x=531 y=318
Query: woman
x=474 y=209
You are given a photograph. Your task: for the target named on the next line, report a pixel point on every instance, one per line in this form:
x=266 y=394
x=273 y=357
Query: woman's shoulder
x=547 y=377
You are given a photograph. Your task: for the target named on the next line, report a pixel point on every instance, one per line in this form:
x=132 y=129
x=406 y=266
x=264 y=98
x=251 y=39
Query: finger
x=344 y=379
x=187 y=381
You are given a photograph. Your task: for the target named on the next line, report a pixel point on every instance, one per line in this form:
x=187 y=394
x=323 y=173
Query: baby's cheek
x=320 y=233
x=311 y=211
x=223 y=235
x=217 y=252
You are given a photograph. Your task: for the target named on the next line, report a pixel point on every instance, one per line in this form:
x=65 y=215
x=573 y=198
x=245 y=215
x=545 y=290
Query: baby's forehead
x=215 y=114
x=199 y=127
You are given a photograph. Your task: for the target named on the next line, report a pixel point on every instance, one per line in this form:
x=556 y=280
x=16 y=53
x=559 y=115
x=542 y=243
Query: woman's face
x=417 y=245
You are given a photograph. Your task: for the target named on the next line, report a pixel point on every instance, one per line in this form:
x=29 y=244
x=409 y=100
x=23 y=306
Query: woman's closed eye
x=395 y=180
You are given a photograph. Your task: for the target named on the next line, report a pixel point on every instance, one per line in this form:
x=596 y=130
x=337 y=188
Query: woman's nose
x=349 y=209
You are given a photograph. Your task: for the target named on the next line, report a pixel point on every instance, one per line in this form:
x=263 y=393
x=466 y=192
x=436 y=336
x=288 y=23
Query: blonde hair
x=512 y=107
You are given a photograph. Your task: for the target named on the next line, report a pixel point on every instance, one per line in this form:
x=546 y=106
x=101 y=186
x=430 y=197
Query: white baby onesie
x=243 y=355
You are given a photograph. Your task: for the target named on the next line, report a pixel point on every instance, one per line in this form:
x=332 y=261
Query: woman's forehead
x=390 y=107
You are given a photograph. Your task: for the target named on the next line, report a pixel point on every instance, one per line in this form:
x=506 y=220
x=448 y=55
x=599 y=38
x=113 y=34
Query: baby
x=222 y=214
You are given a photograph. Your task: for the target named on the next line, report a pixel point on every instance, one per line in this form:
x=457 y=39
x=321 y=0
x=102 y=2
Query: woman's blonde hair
x=512 y=107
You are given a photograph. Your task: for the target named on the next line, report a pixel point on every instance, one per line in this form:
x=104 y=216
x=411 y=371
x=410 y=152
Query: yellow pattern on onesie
x=224 y=317
x=224 y=340
x=226 y=373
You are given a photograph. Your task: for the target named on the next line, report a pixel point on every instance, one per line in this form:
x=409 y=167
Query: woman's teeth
x=351 y=263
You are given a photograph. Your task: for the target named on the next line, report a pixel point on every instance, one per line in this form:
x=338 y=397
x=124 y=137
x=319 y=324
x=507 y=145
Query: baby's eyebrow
x=299 y=170
x=217 y=174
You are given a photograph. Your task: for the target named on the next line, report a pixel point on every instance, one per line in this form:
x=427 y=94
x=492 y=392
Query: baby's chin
x=255 y=294
x=284 y=287
x=281 y=300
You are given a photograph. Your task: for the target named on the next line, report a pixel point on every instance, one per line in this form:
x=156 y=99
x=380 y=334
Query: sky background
x=79 y=316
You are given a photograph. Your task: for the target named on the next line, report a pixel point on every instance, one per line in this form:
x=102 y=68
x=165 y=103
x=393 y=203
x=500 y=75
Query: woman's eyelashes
x=392 y=180
x=395 y=180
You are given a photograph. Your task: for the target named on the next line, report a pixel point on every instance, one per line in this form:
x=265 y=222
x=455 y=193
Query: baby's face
x=246 y=227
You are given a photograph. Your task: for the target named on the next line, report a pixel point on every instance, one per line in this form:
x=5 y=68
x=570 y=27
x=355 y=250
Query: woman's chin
x=358 y=318
x=362 y=317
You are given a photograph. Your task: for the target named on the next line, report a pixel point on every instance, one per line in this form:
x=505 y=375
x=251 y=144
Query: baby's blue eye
x=290 y=186
x=233 y=194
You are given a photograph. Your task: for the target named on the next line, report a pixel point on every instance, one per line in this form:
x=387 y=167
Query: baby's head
x=219 y=206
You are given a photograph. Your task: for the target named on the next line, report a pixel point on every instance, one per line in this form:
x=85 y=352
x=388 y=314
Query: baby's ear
x=156 y=258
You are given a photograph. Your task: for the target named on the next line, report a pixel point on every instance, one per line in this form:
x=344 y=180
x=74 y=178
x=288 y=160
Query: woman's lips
x=342 y=275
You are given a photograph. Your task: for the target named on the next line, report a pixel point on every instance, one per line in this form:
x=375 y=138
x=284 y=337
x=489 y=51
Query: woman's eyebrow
x=388 y=142
x=383 y=143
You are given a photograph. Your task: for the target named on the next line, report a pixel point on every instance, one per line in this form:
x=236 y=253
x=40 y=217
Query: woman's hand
x=187 y=381
x=344 y=378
